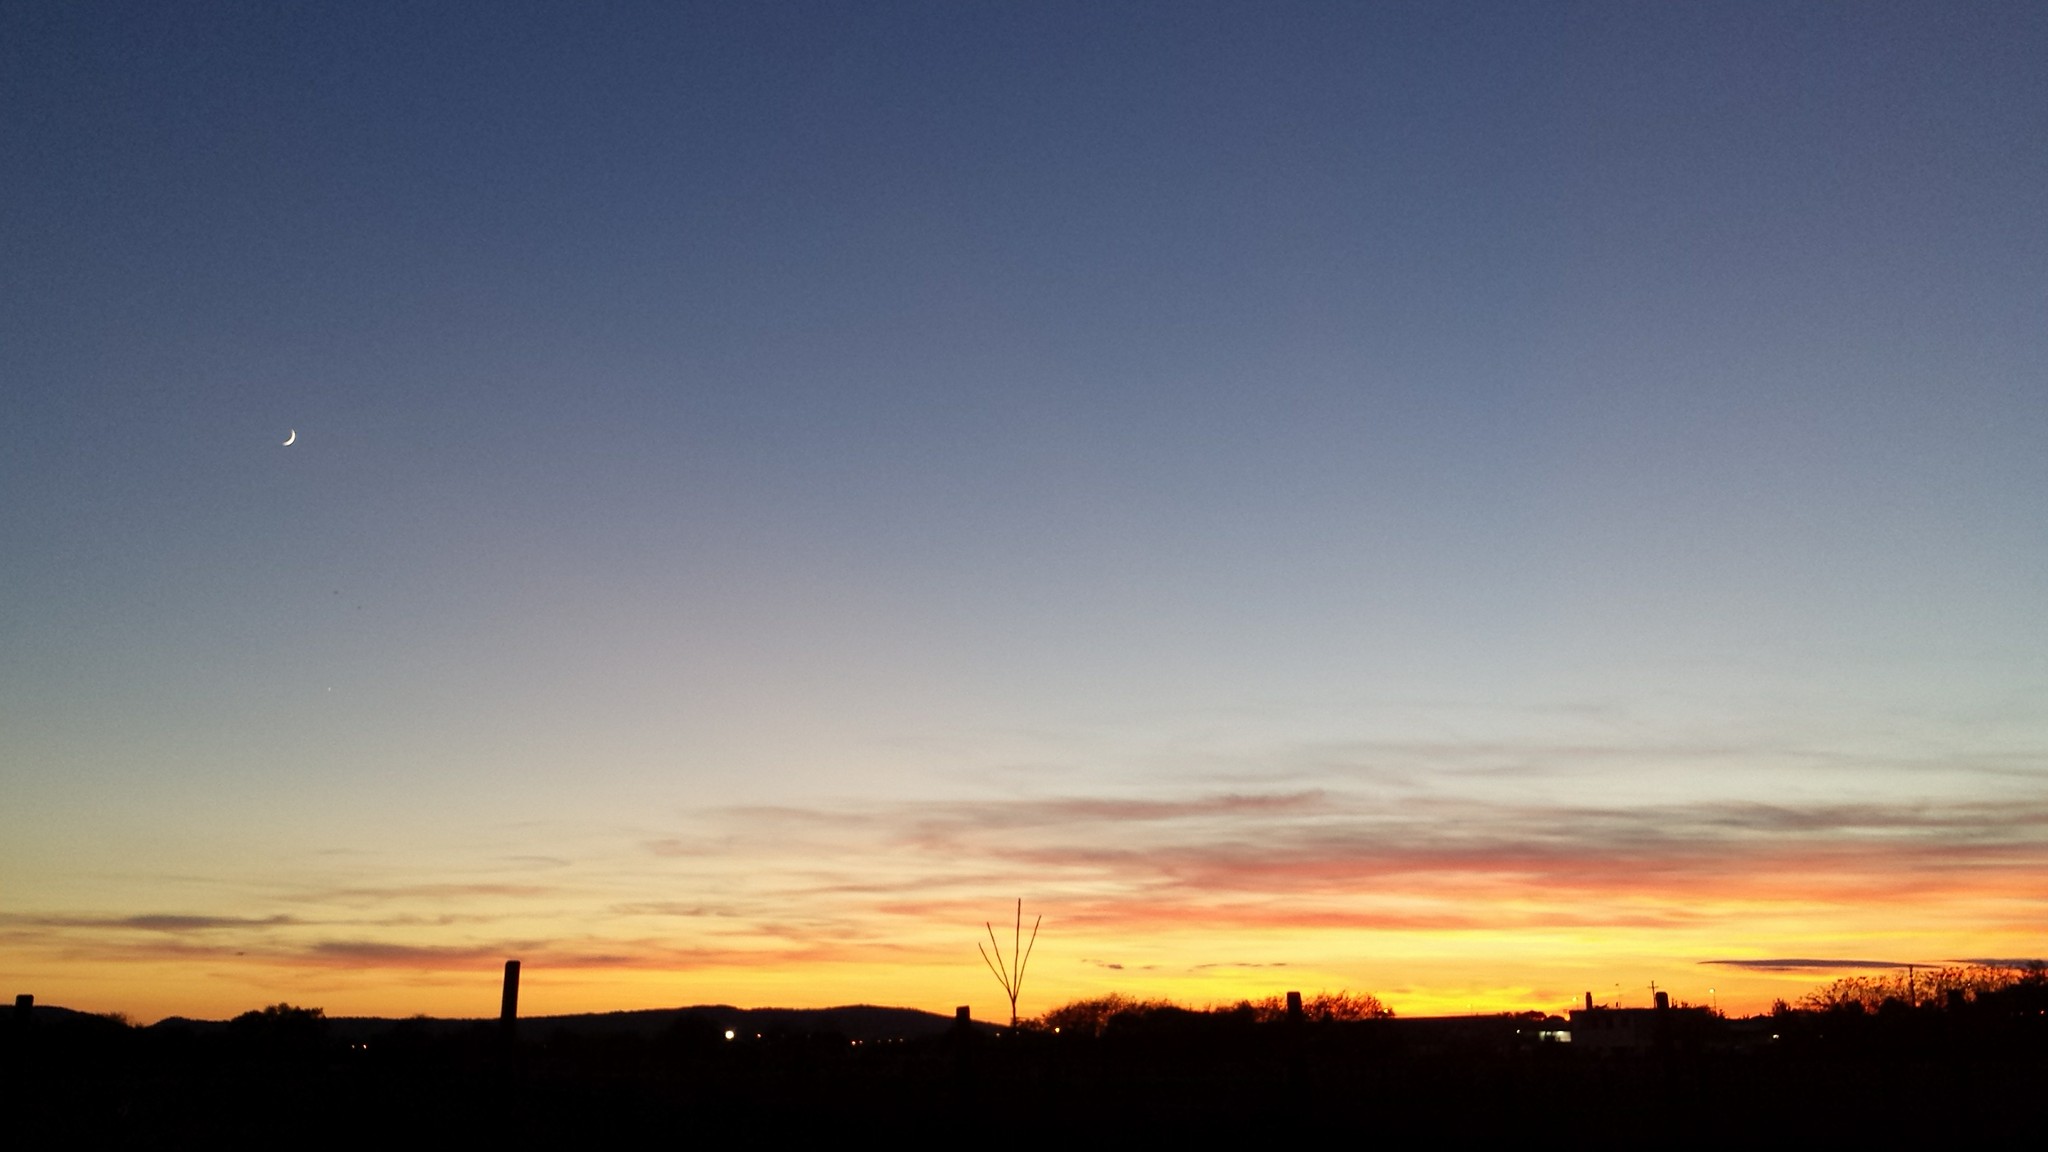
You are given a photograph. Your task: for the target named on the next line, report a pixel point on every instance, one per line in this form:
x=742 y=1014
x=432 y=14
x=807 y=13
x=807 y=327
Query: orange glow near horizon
x=1420 y=960
x=1438 y=903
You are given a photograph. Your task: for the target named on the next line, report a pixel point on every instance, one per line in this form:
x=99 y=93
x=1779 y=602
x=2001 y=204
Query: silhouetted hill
x=51 y=1016
x=867 y=1023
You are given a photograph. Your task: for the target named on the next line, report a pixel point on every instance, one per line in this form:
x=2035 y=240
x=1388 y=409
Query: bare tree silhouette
x=1012 y=978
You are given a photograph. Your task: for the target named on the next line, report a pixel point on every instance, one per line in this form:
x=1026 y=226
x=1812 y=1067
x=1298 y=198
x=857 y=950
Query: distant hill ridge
x=865 y=1022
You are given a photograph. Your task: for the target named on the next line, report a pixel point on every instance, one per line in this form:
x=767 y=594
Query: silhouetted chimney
x=508 y=1008
x=1294 y=1007
x=24 y=1006
x=1663 y=1000
x=961 y=1015
x=1589 y=1001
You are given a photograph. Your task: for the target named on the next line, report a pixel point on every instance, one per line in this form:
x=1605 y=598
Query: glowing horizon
x=1218 y=897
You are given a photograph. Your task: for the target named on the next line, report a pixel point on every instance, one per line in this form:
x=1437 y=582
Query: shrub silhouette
x=1323 y=1007
x=1911 y=988
x=1091 y=1017
x=1096 y=1015
x=280 y=1031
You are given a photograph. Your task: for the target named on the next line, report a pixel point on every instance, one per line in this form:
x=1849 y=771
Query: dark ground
x=1926 y=1074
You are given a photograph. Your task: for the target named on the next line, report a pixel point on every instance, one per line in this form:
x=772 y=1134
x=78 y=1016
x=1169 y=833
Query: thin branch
x=992 y=966
x=1004 y=980
x=1029 y=947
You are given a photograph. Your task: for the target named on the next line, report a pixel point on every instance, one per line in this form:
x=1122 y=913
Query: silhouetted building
x=1639 y=1029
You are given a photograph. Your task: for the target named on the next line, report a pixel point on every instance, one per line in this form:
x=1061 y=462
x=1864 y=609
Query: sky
x=1475 y=503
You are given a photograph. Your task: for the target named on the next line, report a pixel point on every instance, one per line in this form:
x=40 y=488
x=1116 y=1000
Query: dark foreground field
x=673 y=1076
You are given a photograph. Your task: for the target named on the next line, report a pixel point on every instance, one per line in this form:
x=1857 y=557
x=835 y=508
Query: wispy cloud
x=1428 y=763
x=1806 y=964
x=671 y=908
x=152 y=922
x=536 y=861
x=425 y=892
x=471 y=957
x=670 y=846
x=861 y=883
x=1300 y=861
x=1321 y=842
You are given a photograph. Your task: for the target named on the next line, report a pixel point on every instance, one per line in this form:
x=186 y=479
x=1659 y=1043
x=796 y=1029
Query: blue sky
x=713 y=410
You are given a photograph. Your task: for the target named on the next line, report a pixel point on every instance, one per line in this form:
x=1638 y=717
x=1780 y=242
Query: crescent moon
x=292 y=437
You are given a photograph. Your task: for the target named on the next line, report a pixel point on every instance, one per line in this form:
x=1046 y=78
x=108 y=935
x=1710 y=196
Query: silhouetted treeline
x=1098 y=1014
x=1912 y=985
x=1963 y=1070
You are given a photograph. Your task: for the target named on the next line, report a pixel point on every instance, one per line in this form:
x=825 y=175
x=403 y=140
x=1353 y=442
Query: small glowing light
x=728 y=1033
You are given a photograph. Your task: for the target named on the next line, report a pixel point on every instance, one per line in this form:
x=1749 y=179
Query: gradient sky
x=1470 y=502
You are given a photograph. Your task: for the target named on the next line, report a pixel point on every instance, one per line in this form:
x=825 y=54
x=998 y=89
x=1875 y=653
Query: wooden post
x=1292 y=1041
x=508 y=1008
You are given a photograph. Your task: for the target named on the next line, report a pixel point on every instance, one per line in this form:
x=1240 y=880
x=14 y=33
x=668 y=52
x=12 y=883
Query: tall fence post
x=508 y=1008
x=1292 y=1041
